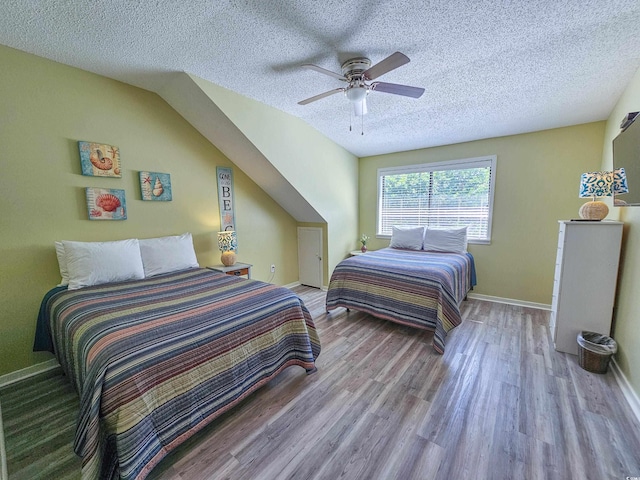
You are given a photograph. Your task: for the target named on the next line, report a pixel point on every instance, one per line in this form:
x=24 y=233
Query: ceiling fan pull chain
x=362 y=125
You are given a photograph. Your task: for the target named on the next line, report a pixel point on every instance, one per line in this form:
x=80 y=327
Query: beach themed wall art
x=225 y=198
x=155 y=186
x=106 y=204
x=99 y=160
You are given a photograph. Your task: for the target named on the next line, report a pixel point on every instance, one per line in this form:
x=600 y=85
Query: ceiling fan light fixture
x=360 y=108
x=356 y=94
x=357 y=72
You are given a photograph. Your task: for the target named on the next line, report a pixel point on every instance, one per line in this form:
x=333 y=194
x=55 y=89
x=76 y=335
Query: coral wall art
x=99 y=160
x=106 y=204
x=155 y=186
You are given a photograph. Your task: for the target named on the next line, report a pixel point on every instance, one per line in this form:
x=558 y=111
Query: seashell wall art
x=99 y=160
x=106 y=204
x=155 y=186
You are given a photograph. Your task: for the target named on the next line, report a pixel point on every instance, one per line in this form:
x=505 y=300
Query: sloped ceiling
x=489 y=68
x=189 y=100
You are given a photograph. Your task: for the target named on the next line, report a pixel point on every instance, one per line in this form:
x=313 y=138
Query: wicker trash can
x=595 y=350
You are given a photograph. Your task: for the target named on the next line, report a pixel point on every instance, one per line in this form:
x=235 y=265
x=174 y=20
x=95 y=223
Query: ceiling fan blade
x=392 y=62
x=322 y=95
x=325 y=71
x=396 y=89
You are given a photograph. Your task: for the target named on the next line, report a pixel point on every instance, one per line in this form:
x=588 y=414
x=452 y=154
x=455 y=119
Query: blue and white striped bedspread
x=156 y=360
x=416 y=288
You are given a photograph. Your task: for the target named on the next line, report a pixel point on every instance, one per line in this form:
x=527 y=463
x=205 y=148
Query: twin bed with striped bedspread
x=156 y=360
x=416 y=288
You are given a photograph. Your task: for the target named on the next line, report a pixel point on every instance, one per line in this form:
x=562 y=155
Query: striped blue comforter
x=156 y=360
x=416 y=288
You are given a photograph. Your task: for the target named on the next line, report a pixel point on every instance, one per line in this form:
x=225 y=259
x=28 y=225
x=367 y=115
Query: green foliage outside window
x=445 y=197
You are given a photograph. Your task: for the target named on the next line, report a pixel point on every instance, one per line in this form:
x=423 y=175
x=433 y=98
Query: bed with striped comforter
x=156 y=360
x=416 y=288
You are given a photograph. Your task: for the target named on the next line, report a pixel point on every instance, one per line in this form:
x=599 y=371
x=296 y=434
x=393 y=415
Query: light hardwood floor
x=500 y=404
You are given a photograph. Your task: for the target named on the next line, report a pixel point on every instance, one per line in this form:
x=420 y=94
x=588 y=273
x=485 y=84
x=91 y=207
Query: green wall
x=537 y=181
x=45 y=108
x=627 y=318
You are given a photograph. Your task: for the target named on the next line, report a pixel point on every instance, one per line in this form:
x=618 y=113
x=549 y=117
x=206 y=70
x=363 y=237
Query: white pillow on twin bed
x=168 y=254
x=94 y=263
x=451 y=241
x=409 y=237
x=62 y=264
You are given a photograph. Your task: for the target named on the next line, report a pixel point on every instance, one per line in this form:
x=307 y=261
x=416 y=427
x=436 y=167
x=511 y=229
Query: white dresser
x=584 y=284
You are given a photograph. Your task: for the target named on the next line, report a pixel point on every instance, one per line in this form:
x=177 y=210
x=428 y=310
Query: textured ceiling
x=490 y=68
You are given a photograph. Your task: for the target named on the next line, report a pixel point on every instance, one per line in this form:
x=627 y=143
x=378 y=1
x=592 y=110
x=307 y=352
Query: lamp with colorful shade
x=228 y=244
x=595 y=185
x=620 y=186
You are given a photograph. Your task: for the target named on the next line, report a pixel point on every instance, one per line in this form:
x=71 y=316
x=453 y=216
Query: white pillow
x=62 y=264
x=168 y=254
x=94 y=263
x=452 y=241
x=409 y=237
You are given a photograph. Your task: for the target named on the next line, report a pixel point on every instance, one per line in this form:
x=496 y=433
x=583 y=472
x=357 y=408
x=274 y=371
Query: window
x=439 y=195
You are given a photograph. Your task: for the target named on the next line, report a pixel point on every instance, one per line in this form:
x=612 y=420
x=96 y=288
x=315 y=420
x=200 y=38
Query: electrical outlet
x=273 y=268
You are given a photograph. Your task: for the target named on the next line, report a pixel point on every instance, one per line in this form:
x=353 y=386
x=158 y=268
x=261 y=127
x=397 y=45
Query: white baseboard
x=509 y=301
x=627 y=390
x=18 y=375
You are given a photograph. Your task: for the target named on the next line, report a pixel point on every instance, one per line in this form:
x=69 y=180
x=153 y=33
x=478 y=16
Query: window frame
x=459 y=164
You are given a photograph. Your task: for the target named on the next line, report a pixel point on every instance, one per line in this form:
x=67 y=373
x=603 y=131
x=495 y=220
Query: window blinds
x=437 y=196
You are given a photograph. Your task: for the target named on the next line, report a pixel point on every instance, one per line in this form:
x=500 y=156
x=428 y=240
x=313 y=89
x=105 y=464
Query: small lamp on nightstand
x=594 y=185
x=228 y=244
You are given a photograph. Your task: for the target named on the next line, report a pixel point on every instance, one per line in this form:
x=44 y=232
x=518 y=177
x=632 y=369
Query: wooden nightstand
x=237 y=269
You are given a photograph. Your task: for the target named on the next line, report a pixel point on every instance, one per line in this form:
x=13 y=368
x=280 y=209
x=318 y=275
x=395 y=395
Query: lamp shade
x=227 y=241
x=228 y=244
x=596 y=184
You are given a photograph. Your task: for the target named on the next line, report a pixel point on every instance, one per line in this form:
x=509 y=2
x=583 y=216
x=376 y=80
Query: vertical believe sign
x=225 y=199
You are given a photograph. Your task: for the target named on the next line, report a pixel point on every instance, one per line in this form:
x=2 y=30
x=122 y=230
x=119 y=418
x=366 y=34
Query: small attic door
x=310 y=256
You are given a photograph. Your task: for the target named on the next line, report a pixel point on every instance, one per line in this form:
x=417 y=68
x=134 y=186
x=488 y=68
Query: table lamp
x=228 y=244
x=594 y=185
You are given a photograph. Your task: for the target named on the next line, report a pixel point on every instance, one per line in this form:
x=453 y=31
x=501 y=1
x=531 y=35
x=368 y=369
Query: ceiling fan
x=358 y=73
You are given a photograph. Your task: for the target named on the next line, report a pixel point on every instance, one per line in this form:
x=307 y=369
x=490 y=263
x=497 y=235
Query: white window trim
x=444 y=165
